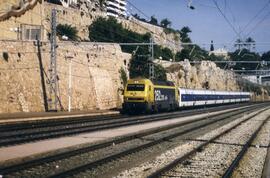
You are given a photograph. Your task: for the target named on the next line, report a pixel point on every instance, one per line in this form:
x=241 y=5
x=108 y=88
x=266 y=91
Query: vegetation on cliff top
x=109 y=30
x=67 y=30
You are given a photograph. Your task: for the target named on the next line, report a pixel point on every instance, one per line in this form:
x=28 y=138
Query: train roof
x=189 y=89
x=166 y=83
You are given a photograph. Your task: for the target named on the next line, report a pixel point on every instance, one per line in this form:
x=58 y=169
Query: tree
x=182 y=55
x=184 y=34
x=166 y=54
x=160 y=73
x=186 y=30
x=123 y=76
x=250 y=43
x=165 y=23
x=245 y=55
x=109 y=30
x=139 y=66
x=136 y=16
x=239 y=44
x=67 y=30
x=153 y=20
x=213 y=57
x=266 y=57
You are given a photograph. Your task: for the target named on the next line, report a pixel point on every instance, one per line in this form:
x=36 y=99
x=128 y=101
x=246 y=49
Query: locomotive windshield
x=135 y=87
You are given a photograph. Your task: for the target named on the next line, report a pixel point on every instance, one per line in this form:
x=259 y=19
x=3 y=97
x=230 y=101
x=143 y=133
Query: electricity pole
x=151 y=60
x=53 y=79
x=69 y=82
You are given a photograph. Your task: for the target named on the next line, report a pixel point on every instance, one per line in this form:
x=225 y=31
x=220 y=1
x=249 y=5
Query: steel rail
x=40 y=135
x=171 y=165
x=58 y=122
x=96 y=163
x=31 y=163
x=266 y=166
x=54 y=122
x=228 y=173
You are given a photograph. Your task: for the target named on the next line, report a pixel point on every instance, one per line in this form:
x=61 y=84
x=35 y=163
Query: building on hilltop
x=220 y=52
x=116 y=8
x=68 y=3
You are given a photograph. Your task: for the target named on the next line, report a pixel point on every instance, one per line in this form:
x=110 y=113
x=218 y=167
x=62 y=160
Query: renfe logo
x=159 y=96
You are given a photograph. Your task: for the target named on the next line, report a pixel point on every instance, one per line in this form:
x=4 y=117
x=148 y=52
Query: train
x=146 y=96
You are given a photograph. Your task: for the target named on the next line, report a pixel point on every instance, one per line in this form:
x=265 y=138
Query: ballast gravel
x=149 y=167
x=252 y=163
x=216 y=158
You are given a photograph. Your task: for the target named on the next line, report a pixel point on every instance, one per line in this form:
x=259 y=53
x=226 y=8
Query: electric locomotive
x=144 y=95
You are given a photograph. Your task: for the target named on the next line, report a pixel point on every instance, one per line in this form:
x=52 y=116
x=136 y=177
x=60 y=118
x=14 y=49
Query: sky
x=249 y=18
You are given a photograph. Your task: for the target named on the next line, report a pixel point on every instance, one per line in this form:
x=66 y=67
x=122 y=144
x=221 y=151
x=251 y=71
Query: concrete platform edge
x=7 y=121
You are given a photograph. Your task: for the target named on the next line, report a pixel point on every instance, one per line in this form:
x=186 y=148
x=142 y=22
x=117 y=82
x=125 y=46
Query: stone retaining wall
x=96 y=82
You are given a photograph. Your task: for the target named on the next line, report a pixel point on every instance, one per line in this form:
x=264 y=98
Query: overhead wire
x=253 y=18
x=139 y=10
x=225 y=17
x=257 y=25
x=256 y=15
x=147 y=29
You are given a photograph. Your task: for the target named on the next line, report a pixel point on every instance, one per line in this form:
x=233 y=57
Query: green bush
x=109 y=30
x=244 y=55
x=67 y=30
x=123 y=76
x=169 y=30
x=139 y=67
x=166 y=54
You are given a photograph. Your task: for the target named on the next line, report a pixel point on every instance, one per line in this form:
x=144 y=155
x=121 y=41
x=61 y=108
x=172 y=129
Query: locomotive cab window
x=135 y=87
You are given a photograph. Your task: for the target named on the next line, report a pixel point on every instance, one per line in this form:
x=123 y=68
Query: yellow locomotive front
x=138 y=96
x=143 y=95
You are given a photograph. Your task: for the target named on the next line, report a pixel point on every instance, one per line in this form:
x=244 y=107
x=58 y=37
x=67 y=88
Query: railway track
x=266 y=168
x=11 y=134
x=185 y=165
x=53 y=160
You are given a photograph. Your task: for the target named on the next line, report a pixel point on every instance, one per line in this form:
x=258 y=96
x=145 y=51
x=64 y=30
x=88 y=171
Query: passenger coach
x=190 y=97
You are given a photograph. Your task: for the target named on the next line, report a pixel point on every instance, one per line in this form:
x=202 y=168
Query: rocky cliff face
x=207 y=75
x=203 y=75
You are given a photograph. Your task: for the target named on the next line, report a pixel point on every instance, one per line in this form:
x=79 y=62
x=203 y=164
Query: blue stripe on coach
x=190 y=97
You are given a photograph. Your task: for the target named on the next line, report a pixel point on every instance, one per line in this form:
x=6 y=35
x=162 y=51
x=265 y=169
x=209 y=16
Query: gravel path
x=216 y=164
